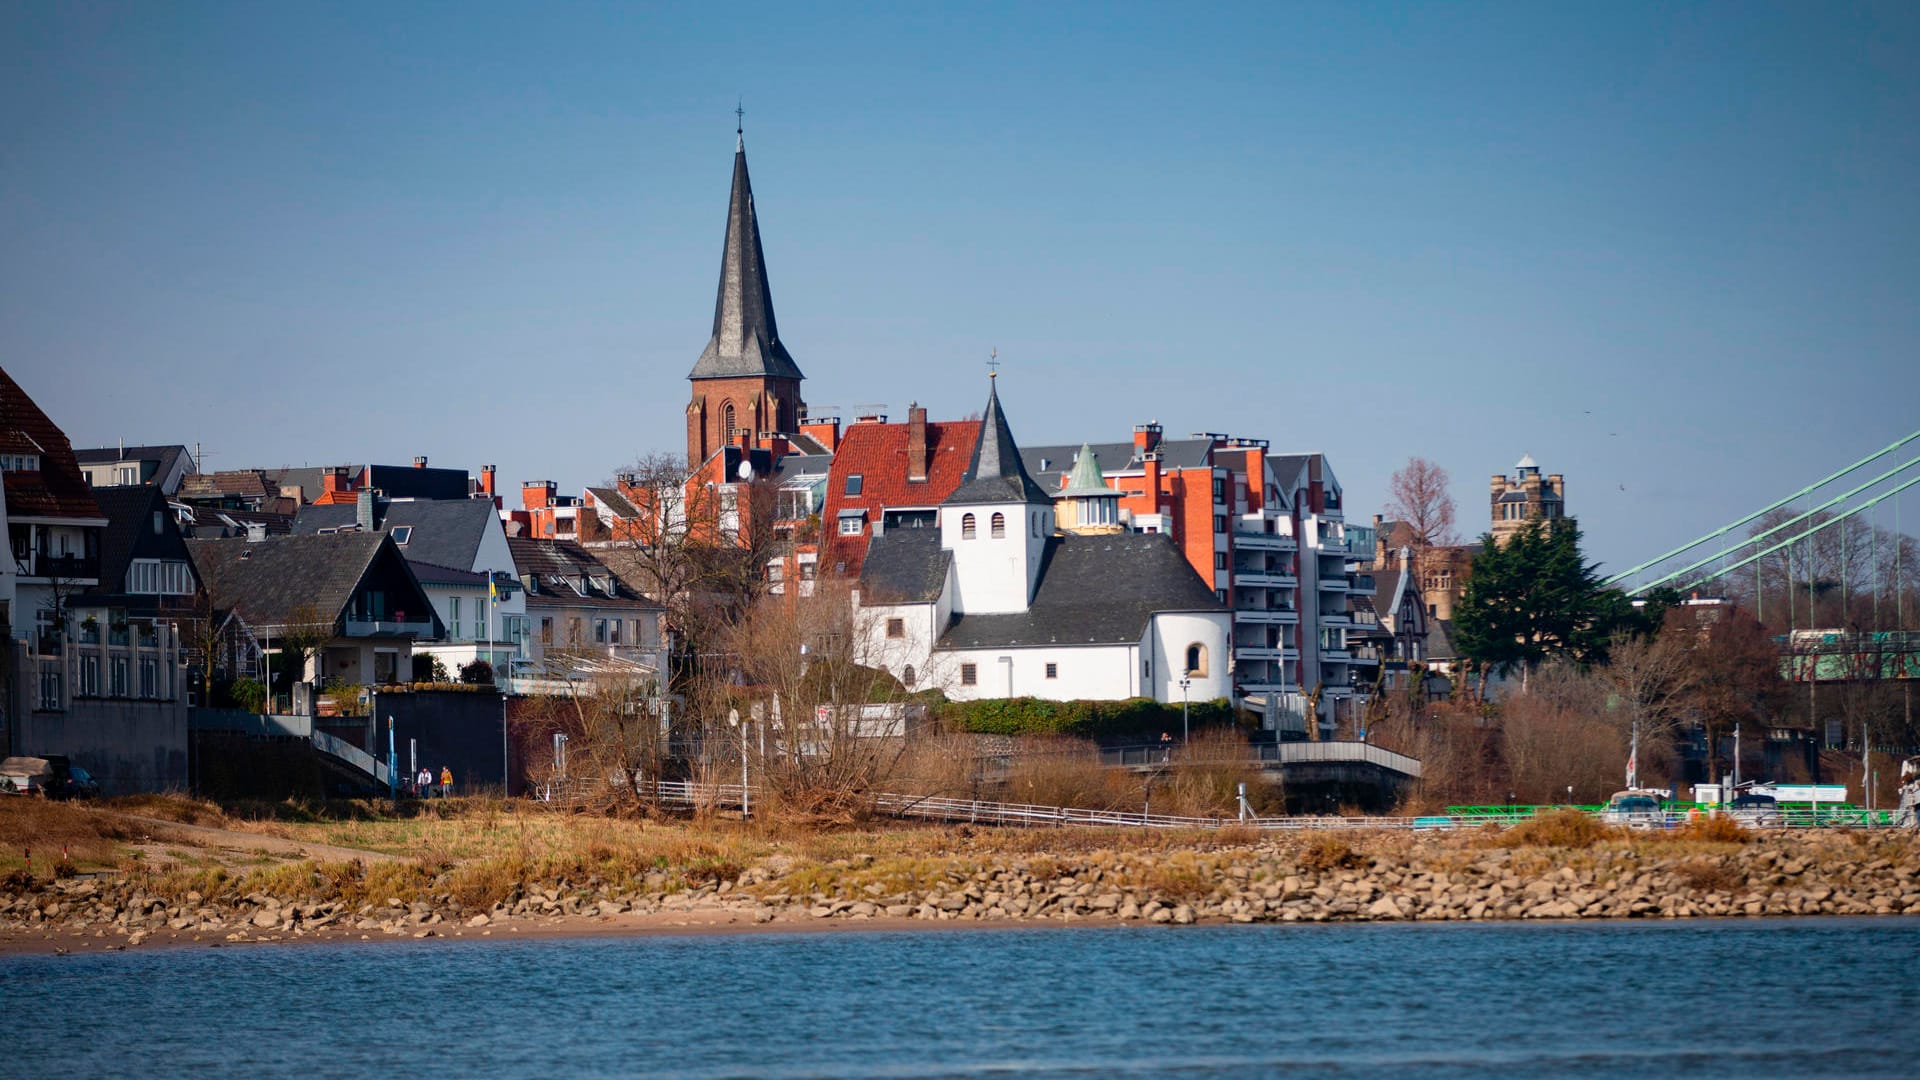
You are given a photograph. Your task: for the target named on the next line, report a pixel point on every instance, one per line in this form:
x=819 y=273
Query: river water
x=1799 y=998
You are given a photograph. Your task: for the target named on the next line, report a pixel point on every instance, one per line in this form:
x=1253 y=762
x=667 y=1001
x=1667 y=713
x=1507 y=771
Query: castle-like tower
x=1526 y=497
x=744 y=384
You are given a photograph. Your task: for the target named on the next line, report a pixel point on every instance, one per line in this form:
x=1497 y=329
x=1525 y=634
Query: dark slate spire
x=996 y=475
x=746 y=340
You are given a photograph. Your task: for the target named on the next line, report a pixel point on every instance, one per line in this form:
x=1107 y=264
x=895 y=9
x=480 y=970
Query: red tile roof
x=58 y=488
x=878 y=453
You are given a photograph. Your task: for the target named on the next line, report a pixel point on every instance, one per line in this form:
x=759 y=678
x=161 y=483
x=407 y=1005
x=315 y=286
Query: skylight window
x=854 y=483
x=402 y=534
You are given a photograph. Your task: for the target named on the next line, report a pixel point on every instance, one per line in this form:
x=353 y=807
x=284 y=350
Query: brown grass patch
x=1713 y=829
x=1557 y=829
x=1328 y=851
x=1710 y=876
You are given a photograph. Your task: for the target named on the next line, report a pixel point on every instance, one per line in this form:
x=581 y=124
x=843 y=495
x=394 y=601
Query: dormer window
x=19 y=462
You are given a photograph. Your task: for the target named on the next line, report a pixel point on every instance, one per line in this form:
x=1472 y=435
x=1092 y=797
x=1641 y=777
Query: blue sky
x=1669 y=250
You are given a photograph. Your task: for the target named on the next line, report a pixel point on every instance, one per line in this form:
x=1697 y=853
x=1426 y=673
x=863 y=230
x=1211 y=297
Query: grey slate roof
x=162 y=458
x=286 y=580
x=795 y=466
x=446 y=532
x=1440 y=640
x=996 y=474
x=614 y=501
x=746 y=339
x=1093 y=590
x=129 y=535
x=1114 y=457
x=904 y=566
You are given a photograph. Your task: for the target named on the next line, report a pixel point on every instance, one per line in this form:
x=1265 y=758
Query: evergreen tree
x=1537 y=597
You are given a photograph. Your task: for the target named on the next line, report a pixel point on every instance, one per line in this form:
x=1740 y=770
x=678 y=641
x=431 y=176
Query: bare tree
x=1418 y=495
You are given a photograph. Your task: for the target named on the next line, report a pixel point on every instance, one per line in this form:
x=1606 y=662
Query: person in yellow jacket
x=446 y=782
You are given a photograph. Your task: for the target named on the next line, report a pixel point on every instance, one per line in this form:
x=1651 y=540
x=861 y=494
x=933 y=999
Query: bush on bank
x=1141 y=718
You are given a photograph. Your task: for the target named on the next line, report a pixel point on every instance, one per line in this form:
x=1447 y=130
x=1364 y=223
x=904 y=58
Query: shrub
x=1328 y=851
x=478 y=673
x=428 y=668
x=1557 y=828
x=249 y=694
x=1140 y=717
x=1713 y=829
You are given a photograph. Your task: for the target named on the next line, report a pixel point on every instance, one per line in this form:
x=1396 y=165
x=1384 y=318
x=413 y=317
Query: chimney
x=256 y=532
x=334 y=482
x=916 y=443
x=1146 y=438
x=363 y=510
x=486 y=480
x=537 y=494
x=824 y=430
x=420 y=462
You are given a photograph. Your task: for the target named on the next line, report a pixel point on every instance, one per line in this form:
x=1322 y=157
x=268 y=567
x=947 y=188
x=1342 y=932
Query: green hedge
x=1138 y=717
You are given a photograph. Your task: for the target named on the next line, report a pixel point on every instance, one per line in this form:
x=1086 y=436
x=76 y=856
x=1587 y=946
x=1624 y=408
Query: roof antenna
x=993 y=362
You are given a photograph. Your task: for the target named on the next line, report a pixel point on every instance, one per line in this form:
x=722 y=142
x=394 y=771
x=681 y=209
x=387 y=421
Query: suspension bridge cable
x=1725 y=529
x=1757 y=537
x=1837 y=518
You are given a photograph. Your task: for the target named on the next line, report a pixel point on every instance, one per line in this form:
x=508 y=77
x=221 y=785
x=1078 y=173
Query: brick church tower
x=744 y=384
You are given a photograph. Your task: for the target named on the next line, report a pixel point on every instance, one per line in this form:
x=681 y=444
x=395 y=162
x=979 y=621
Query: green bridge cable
x=1725 y=529
x=1836 y=519
x=1789 y=523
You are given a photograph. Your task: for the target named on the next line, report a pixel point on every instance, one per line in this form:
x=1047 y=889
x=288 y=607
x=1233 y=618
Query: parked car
x=52 y=776
x=1635 y=810
x=1756 y=811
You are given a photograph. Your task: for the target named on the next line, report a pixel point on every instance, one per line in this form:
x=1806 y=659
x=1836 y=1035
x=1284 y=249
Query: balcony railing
x=387 y=628
x=69 y=567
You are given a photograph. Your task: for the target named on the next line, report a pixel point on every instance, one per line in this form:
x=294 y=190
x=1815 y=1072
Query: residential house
x=352 y=594
x=458 y=551
x=890 y=476
x=123 y=713
x=163 y=467
x=54 y=527
x=990 y=600
x=584 y=619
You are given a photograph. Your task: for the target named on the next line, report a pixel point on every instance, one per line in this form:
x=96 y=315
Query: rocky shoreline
x=1326 y=879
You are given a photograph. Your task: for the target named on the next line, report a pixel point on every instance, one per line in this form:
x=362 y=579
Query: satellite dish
x=746 y=470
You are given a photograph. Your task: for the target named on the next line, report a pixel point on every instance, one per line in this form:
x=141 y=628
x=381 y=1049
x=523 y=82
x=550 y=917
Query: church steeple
x=996 y=474
x=746 y=339
x=745 y=384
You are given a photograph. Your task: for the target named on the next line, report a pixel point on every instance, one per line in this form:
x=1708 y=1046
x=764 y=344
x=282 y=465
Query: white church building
x=996 y=601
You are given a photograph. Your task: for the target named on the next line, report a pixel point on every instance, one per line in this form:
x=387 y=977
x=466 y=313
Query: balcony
x=362 y=628
x=1336 y=618
x=1265 y=616
x=1262 y=541
x=1362 y=584
x=62 y=567
x=1333 y=584
x=1258 y=652
x=1264 y=579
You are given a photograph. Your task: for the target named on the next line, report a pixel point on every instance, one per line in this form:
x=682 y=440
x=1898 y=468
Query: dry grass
x=1328 y=851
x=1557 y=829
x=1713 y=829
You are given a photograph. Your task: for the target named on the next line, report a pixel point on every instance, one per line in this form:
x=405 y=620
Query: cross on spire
x=739 y=118
x=993 y=362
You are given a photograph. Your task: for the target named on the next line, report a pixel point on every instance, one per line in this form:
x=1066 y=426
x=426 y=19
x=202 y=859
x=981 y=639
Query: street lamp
x=1185 y=682
x=733 y=721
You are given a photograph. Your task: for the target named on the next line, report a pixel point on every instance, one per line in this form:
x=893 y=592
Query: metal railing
x=351 y=754
x=988 y=812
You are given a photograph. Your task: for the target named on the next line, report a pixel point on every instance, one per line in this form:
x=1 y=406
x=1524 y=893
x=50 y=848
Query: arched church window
x=1197 y=659
x=726 y=420
x=999 y=526
x=967 y=526
x=907 y=677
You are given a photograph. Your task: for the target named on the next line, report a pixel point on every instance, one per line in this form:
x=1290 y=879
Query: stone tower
x=1526 y=497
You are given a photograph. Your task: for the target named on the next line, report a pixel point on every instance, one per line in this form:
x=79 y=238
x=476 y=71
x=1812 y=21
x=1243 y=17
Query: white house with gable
x=997 y=602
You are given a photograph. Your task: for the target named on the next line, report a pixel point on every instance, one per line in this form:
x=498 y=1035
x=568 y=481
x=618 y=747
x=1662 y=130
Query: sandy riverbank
x=1564 y=869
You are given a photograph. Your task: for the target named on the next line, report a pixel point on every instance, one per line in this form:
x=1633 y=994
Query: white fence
x=985 y=812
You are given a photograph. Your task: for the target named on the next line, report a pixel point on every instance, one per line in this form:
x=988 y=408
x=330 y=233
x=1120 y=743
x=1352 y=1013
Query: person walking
x=423 y=783
x=446 y=782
